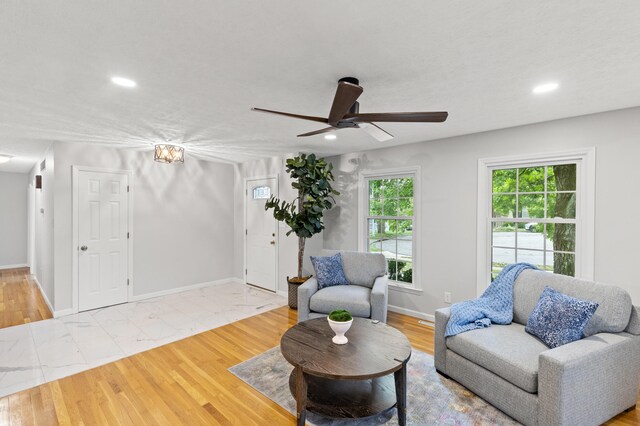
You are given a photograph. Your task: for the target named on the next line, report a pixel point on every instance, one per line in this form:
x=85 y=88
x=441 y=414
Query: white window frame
x=585 y=207
x=363 y=229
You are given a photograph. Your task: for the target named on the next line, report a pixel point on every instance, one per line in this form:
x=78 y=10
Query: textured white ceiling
x=201 y=66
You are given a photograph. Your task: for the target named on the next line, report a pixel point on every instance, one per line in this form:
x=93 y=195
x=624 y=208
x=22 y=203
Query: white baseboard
x=412 y=313
x=62 y=312
x=44 y=295
x=56 y=314
x=145 y=296
x=17 y=265
x=283 y=293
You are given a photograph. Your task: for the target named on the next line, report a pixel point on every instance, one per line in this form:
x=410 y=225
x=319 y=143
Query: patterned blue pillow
x=329 y=270
x=559 y=319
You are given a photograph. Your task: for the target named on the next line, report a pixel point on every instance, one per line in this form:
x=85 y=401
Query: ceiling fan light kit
x=345 y=113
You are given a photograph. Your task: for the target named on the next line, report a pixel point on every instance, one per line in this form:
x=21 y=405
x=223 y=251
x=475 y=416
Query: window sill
x=394 y=285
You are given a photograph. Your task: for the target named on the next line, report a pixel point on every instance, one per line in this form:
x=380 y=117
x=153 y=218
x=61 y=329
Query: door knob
x=84 y=248
x=273 y=243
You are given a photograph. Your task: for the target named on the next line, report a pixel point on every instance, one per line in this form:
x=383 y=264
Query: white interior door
x=103 y=205
x=260 y=235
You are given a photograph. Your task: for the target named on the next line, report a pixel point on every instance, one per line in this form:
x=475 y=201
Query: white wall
x=287 y=246
x=449 y=197
x=13 y=219
x=43 y=268
x=183 y=219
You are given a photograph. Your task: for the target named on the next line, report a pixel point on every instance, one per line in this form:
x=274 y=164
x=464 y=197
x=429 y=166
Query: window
x=390 y=221
x=537 y=209
x=533 y=217
x=261 y=193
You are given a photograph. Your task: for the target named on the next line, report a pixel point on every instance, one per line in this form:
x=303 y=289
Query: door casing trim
x=75 y=276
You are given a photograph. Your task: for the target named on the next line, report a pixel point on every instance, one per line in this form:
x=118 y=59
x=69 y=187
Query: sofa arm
x=588 y=381
x=305 y=291
x=380 y=298
x=440 y=346
x=634 y=322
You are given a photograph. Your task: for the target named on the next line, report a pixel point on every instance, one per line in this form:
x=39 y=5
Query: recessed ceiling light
x=330 y=137
x=5 y=158
x=124 y=82
x=545 y=88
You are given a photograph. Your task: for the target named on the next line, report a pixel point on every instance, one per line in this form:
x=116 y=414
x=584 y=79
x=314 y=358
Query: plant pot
x=293 y=284
x=340 y=328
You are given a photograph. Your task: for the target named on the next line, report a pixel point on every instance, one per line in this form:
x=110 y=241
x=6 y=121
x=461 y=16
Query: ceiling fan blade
x=317 y=132
x=287 y=114
x=346 y=95
x=377 y=132
x=398 y=117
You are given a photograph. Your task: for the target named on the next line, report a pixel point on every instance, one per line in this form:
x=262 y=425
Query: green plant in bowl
x=340 y=315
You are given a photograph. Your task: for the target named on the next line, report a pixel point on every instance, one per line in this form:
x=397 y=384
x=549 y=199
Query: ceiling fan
x=345 y=113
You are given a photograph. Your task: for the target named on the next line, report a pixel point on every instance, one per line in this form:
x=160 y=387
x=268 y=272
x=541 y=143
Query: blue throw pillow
x=559 y=319
x=329 y=270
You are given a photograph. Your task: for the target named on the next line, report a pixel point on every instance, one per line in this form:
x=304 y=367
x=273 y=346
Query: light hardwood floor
x=20 y=298
x=185 y=382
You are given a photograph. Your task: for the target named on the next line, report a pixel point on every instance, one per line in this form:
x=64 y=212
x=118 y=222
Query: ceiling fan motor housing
x=351 y=80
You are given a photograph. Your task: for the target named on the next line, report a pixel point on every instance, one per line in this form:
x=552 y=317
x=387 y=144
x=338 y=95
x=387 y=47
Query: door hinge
x=246 y=232
x=127 y=281
x=127 y=188
x=127 y=235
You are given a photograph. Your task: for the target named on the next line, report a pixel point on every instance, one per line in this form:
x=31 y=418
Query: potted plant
x=340 y=322
x=312 y=178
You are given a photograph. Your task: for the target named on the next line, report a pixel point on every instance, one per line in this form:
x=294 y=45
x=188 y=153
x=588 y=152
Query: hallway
x=20 y=299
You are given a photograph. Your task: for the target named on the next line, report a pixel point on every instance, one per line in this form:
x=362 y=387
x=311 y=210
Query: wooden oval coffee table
x=347 y=381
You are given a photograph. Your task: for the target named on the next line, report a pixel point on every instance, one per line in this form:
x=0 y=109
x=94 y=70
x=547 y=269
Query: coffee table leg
x=301 y=396
x=401 y=394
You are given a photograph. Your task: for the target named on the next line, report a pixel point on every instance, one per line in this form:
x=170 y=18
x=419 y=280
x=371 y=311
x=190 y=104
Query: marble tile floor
x=43 y=351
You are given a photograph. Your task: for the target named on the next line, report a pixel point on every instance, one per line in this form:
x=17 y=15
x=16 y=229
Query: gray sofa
x=366 y=295
x=582 y=383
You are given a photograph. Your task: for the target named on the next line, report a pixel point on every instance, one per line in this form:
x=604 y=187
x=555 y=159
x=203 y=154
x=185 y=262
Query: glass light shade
x=169 y=154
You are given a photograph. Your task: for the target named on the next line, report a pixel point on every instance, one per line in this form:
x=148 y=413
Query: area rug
x=431 y=398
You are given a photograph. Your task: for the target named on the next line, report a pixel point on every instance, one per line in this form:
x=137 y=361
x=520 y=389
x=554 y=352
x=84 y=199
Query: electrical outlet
x=447 y=297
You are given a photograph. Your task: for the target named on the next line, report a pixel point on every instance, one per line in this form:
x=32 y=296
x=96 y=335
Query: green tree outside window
x=390 y=224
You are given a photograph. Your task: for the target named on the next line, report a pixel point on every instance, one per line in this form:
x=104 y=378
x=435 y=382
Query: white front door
x=103 y=205
x=260 y=235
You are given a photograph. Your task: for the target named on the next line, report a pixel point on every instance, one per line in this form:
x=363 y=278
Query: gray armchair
x=366 y=295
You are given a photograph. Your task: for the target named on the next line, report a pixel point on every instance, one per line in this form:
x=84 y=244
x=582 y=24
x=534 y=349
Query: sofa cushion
x=363 y=268
x=614 y=303
x=329 y=271
x=559 y=319
x=353 y=298
x=505 y=350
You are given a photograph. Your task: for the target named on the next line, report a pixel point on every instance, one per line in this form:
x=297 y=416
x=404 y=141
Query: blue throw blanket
x=495 y=305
